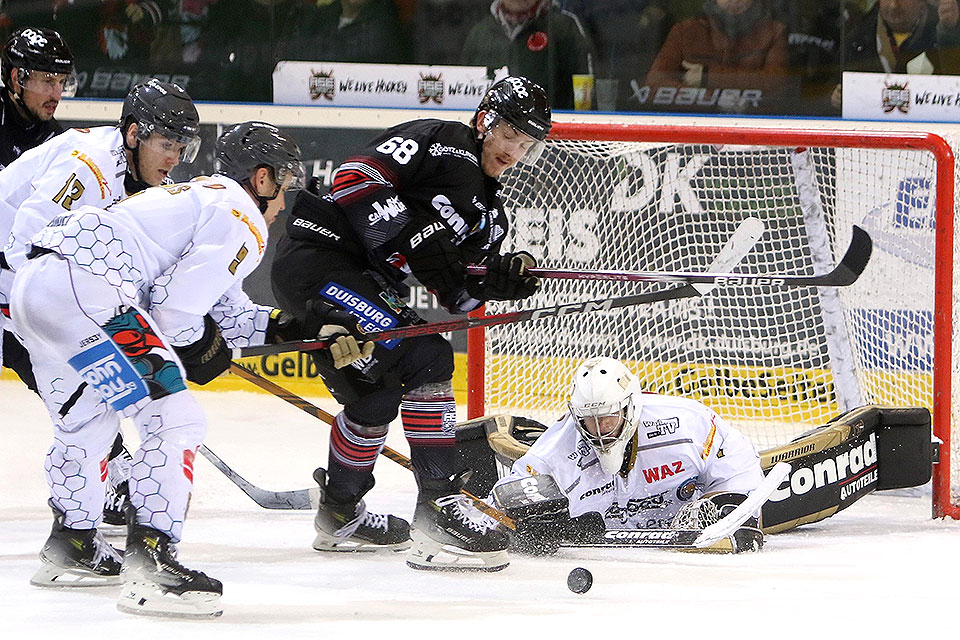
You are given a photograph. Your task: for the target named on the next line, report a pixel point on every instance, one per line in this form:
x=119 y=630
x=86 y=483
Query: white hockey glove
x=700 y=514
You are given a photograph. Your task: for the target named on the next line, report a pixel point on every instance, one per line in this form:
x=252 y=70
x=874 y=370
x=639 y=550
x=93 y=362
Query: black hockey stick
x=299 y=499
x=846 y=272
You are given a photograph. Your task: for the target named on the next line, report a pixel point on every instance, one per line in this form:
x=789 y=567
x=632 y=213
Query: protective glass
x=512 y=138
x=47 y=83
x=184 y=148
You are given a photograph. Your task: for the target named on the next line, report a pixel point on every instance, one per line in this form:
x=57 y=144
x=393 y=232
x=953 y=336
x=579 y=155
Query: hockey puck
x=580 y=580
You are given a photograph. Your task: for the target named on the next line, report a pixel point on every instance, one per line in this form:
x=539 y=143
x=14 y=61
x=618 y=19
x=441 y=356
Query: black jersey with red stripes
x=414 y=176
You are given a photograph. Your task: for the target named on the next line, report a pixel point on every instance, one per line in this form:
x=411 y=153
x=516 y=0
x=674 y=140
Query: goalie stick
x=695 y=538
x=739 y=244
x=846 y=272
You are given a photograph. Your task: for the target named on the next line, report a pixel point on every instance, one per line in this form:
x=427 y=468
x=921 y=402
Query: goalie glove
x=323 y=321
x=541 y=512
x=206 y=358
x=701 y=513
x=506 y=278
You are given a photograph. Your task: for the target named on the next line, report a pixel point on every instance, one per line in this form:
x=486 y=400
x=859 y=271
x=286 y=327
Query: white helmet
x=605 y=387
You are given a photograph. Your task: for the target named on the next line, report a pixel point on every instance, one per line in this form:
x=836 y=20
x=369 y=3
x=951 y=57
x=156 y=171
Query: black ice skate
x=76 y=558
x=348 y=526
x=451 y=534
x=155 y=584
x=118 y=483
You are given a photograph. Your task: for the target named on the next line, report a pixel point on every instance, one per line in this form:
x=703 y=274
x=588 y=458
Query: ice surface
x=881 y=567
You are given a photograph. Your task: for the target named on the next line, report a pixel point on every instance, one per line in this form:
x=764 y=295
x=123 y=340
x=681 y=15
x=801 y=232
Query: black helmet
x=520 y=102
x=38 y=49
x=246 y=146
x=164 y=108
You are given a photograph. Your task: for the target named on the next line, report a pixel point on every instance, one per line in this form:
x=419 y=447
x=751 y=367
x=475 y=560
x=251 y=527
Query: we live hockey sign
x=344 y=84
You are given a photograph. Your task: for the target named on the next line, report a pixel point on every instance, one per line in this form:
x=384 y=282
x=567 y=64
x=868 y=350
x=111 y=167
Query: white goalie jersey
x=683 y=451
x=179 y=251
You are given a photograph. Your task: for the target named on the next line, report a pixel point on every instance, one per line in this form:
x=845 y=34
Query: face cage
x=491 y=119
x=191 y=143
x=603 y=442
x=70 y=83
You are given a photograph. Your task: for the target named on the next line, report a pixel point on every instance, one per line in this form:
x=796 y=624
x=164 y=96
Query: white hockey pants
x=98 y=356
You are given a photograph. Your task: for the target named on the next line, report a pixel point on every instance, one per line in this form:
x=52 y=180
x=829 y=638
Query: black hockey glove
x=436 y=262
x=507 y=278
x=541 y=512
x=206 y=358
x=323 y=321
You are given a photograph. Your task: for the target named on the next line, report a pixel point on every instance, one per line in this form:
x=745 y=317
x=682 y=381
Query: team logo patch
x=370 y=317
x=687 y=489
x=144 y=350
x=429 y=88
x=323 y=85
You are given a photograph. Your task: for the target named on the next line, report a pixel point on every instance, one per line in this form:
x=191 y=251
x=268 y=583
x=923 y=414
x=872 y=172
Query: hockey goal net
x=773 y=361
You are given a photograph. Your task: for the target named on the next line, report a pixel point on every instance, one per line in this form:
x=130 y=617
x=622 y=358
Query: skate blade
x=149 y=599
x=430 y=555
x=331 y=544
x=50 y=576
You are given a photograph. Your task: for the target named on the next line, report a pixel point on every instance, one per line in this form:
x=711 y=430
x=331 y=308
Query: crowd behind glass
x=711 y=56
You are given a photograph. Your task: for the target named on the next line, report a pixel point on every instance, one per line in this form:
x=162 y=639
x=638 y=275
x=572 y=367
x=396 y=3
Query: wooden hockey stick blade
x=844 y=274
x=733 y=251
x=298 y=496
x=694 y=538
x=299 y=499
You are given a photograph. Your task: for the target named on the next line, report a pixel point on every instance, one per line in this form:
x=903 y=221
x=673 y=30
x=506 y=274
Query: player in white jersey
x=158 y=128
x=117 y=306
x=634 y=460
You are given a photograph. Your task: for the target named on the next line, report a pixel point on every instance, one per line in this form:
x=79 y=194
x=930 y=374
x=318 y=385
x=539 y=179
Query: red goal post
x=775 y=363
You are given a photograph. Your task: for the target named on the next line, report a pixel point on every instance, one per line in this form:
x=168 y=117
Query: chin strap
x=262 y=201
x=130 y=183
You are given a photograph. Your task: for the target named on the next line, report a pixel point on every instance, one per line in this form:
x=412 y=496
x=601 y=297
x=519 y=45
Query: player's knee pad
x=428 y=359
x=177 y=419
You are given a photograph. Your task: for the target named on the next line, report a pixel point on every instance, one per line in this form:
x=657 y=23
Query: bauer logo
x=110 y=374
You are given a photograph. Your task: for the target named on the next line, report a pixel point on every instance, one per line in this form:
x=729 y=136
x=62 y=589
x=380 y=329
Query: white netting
x=774 y=361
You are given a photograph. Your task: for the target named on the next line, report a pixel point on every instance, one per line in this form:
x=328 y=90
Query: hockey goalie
x=621 y=459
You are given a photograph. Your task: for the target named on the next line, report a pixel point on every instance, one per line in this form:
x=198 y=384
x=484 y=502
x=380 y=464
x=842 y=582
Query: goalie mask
x=604 y=403
x=520 y=104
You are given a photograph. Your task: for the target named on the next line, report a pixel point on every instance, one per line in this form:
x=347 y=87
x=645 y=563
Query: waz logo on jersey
x=662 y=472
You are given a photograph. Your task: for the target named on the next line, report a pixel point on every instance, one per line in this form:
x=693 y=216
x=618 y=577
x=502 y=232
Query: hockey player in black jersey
x=422 y=198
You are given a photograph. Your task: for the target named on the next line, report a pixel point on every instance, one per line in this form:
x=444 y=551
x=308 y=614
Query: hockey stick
x=308 y=498
x=299 y=499
x=695 y=538
x=846 y=272
x=739 y=244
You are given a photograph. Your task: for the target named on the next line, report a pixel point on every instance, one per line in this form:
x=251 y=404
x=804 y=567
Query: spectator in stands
x=344 y=31
x=534 y=39
x=733 y=44
x=904 y=36
x=441 y=26
x=626 y=34
x=238 y=53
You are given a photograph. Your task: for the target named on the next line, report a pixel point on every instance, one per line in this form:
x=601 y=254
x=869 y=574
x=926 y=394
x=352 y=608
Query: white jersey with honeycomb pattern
x=78 y=167
x=179 y=251
x=684 y=451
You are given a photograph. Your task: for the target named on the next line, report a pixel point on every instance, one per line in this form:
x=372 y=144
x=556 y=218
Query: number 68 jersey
x=178 y=251
x=78 y=167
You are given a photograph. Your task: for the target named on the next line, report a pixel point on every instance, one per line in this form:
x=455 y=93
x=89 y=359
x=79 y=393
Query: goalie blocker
x=867 y=449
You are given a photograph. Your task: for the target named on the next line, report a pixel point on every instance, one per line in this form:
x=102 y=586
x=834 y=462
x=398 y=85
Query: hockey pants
x=98 y=357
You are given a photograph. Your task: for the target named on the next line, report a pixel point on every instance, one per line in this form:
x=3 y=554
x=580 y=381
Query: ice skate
x=76 y=558
x=348 y=526
x=451 y=534
x=155 y=584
